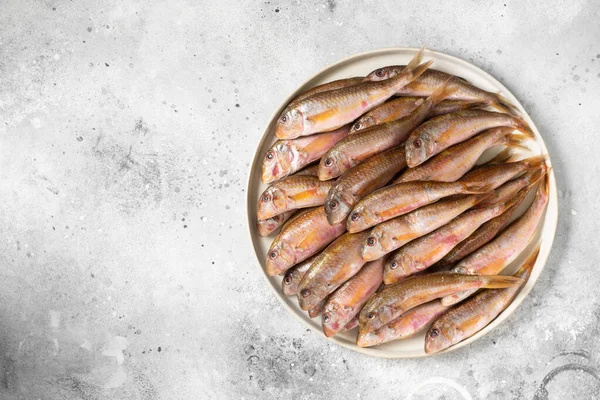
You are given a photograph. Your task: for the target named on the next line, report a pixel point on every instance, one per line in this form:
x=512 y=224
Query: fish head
x=381 y=74
x=333 y=164
x=369 y=339
x=333 y=319
x=363 y=123
x=439 y=337
x=376 y=315
x=419 y=149
x=278 y=161
x=373 y=247
x=399 y=266
x=272 y=202
x=290 y=124
x=268 y=225
x=338 y=205
x=309 y=296
x=360 y=218
x=290 y=283
x=279 y=258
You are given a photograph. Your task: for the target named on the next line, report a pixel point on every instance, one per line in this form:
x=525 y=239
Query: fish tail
x=515 y=141
x=536 y=162
x=545 y=186
x=502 y=104
x=442 y=93
x=534 y=176
x=501 y=282
x=523 y=126
x=528 y=265
x=414 y=69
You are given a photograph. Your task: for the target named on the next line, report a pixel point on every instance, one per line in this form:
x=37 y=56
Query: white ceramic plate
x=361 y=65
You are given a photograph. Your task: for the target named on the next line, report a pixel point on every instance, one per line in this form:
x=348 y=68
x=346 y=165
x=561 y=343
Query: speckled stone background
x=126 y=132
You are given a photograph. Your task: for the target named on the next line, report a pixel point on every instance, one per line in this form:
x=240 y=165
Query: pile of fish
x=387 y=221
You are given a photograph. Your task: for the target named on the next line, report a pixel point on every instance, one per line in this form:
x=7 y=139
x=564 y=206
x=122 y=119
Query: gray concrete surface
x=126 y=131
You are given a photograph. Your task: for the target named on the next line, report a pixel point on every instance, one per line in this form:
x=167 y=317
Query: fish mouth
x=436 y=346
x=264 y=213
x=372 y=253
x=306 y=303
x=338 y=215
x=326 y=173
x=366 y=340
x=329 y=332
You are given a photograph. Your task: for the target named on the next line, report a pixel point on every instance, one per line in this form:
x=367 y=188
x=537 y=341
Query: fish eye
x=305 y=292
x=417 y=143
x=270 y=155
x=354 y=216
x=326 y=318
x=283 y=118
x=265 y=198
x=357 y=126
x=273 y=255
x=371 y=315
x=379 y=73
x=434 y=332
x=371 y=241
x=287 y=280
x=394 y=265
x=333 y=204
x=328 y=162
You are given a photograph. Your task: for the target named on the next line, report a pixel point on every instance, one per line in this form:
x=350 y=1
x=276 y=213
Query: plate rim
x=542 y=257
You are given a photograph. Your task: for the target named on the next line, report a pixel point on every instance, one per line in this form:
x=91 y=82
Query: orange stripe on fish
x=323 y=116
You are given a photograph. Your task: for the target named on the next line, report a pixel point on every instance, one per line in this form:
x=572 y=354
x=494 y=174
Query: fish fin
x=528 y=265
x=442 y=93
x=535 y=162
x=545 y=185
x=504 y=105
x=515 y=141
x=414 y=69
x=523 y=127
x=501 y=282
x=516 y=199
x=535 y=175
x=475 y=105
x=456 y=297
x=477 y=187
x=507 y=105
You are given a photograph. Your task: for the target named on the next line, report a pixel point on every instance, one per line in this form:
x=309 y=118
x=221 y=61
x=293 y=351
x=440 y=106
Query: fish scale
x=355 y=148
x=298 y=191
x=325 y=111
x=348 y=299
x=400 y=297
x=396 y=232
x=361 y=180
x=301 y=237
x=334 y=266
x=471 y=316
x=401 y=198
x=439 y=133
x=504 y=249
x=425 y=251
